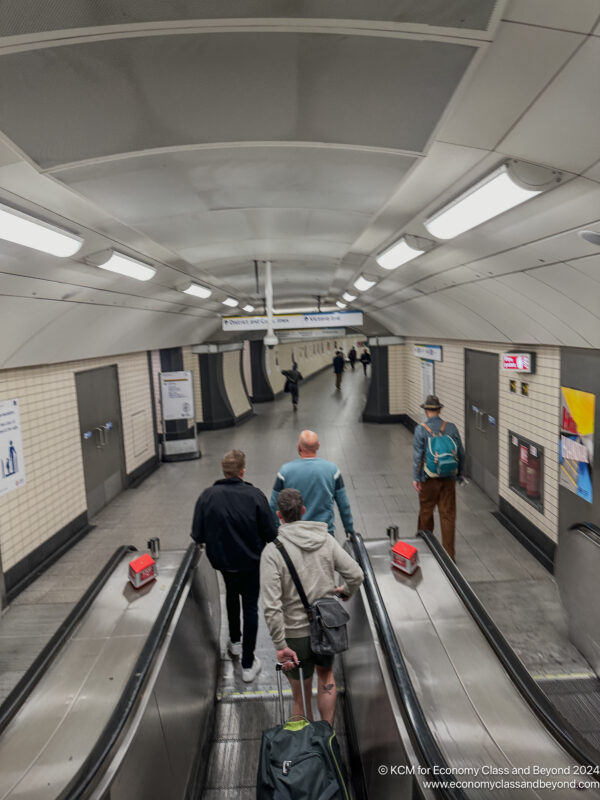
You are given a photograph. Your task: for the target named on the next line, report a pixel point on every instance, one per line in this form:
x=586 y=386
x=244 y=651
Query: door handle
x=108 y=426
x=100 y=437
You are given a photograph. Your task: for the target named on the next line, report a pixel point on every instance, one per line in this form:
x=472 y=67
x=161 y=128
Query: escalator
x=133 y=700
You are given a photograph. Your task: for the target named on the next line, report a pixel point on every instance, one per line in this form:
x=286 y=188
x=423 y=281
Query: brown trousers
x=338 y=380
x=440 y=492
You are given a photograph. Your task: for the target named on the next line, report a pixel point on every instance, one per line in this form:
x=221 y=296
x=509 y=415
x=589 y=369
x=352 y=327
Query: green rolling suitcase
x=300 y=760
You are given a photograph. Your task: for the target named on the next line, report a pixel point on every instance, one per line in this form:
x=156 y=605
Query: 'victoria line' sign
x=323 y=319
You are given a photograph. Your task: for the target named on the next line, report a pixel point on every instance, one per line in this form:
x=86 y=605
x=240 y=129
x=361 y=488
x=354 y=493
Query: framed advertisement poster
x=576 y=449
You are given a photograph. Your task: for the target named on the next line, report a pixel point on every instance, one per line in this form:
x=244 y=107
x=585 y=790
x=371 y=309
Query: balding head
x=308 y=444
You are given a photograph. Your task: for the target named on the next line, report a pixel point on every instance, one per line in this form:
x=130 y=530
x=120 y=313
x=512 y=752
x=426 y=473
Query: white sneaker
x=249 y=674
x=234 y=648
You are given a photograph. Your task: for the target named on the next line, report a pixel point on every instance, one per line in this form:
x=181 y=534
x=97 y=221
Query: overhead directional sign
x=322 y=319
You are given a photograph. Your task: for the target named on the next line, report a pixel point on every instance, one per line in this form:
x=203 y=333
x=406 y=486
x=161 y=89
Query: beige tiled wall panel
x=310 y=357
x=54 y=492
x=191 y=364
x=535 y=417
x=397 y=388
x=232 y=377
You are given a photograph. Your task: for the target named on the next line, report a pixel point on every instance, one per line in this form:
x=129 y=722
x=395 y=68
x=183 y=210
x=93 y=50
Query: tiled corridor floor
x=375 y=461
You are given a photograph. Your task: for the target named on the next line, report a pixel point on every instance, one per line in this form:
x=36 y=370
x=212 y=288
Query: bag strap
x=443 y=427
x=297 y=583
x=427 y=428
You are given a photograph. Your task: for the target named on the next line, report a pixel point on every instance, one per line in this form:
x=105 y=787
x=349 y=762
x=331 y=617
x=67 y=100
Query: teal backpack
x=441 y=454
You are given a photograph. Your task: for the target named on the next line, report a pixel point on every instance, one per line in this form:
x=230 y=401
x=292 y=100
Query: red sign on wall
x=517 y=362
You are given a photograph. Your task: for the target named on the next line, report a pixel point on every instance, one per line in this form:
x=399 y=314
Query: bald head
x=308 y=444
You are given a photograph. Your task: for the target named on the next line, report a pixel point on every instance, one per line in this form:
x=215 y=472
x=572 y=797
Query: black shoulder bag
x=327 y=618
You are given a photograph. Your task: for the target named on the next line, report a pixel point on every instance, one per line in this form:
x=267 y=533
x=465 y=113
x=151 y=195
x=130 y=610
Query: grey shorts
x=308 y=659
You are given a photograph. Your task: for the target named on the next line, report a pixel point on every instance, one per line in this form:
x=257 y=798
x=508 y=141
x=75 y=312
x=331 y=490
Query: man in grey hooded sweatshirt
x=316 y=555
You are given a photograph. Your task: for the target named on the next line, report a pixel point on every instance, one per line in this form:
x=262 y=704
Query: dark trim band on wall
x=531 y=537
x=153 y=402
x=216 y=408
x=24 y=572
x=171 y=360
x=262 y=391
x=139 y=474
x=377 y=408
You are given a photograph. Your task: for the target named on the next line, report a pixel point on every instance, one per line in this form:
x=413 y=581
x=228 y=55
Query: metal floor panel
x=477 y=714
x=233 y=764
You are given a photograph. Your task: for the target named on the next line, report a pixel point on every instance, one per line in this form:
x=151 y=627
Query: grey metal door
x=99 y=409
x=481 y=415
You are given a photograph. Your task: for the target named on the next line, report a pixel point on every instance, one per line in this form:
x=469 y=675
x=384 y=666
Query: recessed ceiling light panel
x=494 y=195
x=396 y=255
x=198 y=291
x=125 y=265
x=20 y=228
x=231 y=302
x=362 y=283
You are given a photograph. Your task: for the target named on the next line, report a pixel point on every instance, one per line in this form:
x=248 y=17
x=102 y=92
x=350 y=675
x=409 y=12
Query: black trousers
x=247 y=586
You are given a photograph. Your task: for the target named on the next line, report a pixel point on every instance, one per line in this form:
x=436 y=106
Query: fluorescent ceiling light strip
x=248 y=308
x=339 y=304
x=362 y=284
x=198 y=291
x=396 y=255
x=349 y=297
x=130 y=267
x=231 y=302
x=495 y=195
x=22 y=229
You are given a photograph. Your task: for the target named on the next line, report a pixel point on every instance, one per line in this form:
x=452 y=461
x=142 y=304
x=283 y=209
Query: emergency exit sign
x=518 y=362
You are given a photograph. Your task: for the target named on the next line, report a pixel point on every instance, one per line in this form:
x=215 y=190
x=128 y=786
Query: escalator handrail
x=30 y=679
x=87 y=772
x=419 y=728
x=587 y=528
x=535 y=697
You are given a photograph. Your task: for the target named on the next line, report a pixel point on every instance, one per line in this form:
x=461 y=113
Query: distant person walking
x=293 y=378
x=316 y=556
x=352 y=355
x=365 y=360
x=233 y=519
x=438 y=462
x=320 y=482
x=338 y=368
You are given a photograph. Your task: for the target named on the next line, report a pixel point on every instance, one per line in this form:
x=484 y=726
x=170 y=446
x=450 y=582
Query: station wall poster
x=12 y=468
x=576 y=449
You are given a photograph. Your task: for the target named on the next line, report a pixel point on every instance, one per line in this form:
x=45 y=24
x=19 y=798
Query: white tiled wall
x=54 y=492
x=536 y=417
x=310 y=357
x=234 y=387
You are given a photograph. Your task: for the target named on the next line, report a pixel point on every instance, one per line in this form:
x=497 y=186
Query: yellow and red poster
x=576 y=451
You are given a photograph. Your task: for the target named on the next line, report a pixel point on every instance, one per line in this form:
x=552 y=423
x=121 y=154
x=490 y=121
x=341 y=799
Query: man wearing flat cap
x=437 y=465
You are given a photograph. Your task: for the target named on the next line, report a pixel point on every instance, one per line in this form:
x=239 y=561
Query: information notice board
x=177 y=395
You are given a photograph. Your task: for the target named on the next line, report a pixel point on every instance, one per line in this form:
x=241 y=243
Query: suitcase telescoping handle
x=279 y=670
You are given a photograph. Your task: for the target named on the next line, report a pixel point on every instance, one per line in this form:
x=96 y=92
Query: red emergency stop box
x=405 y=557
x=142 y=570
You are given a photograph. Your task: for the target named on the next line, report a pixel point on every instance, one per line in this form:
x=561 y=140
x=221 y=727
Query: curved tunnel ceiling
x=200 y=140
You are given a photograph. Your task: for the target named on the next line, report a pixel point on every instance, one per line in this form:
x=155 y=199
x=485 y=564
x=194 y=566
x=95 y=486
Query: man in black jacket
x=234 y=520
x=338 y=368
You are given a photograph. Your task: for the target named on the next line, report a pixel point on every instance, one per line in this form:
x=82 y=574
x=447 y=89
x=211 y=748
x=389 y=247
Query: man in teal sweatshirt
x=320 y=483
